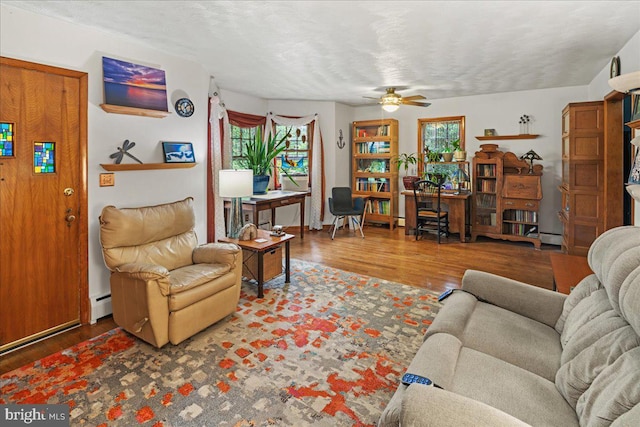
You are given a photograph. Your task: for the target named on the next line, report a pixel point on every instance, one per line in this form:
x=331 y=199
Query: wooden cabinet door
x=43 y=225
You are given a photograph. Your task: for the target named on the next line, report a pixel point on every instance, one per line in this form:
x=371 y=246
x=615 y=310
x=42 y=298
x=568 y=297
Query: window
x=239 y=138
x=296 y=159
x=439 y=133
x=436 y=136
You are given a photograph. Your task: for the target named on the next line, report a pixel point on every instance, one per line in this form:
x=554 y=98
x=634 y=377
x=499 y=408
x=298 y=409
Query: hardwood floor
x=383 y=253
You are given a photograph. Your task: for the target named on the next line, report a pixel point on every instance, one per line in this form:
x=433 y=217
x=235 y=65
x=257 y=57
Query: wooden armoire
x=592 y=169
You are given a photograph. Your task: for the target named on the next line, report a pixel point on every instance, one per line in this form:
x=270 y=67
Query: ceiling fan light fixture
x=390 y=101
x=390 y=107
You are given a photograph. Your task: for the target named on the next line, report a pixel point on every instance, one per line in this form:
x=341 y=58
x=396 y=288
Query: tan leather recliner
x=164 y=287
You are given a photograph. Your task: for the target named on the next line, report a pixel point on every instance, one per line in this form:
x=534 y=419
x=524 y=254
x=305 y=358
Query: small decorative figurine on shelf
x=524 y=124
x=530 y=156
x=126 y=146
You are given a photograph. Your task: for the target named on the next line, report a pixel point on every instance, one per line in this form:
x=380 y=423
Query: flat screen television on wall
x=132 y=85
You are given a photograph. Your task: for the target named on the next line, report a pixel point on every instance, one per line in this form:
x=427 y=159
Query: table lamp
x=530 y=156
x=235 y=184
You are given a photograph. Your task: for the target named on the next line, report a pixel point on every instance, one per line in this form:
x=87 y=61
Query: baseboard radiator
x=551 y=239
x=100 y=307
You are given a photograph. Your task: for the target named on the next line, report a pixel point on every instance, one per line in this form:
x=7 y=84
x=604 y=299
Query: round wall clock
x=614 y=70
x=184 y=107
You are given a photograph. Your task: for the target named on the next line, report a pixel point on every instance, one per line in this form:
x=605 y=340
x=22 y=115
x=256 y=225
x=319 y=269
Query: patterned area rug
x=328 y=349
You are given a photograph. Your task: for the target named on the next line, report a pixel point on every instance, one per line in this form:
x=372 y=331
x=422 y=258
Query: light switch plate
x=107 y=180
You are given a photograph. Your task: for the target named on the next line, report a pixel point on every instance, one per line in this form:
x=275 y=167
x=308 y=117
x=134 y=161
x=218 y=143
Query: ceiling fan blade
x=417 y=104
x=413 y=97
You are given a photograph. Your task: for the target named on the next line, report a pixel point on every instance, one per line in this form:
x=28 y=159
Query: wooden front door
x=43 y=224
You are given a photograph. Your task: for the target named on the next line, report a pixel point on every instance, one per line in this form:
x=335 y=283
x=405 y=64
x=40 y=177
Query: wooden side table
x=568 y=271
x=260 y=248
x=270 y=201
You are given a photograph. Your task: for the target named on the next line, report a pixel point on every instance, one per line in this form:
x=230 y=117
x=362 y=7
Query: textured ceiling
x=344 y=50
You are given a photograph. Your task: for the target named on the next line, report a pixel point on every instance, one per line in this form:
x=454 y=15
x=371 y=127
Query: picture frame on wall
x=178 y=152
x=135 y=86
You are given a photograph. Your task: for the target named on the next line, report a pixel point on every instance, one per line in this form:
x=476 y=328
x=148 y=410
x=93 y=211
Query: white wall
x=37 y=38
x=500 y=111
x=243 y=103
x=341 y=159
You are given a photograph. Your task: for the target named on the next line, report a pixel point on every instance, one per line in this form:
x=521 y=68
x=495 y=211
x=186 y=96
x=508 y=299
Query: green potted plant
x=260 y=158
x=432 y=156
x=447 y=152
x=458 y=154
x=405 y=161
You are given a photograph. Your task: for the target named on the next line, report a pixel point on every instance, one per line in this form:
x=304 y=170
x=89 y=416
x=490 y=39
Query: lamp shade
x=235 y=182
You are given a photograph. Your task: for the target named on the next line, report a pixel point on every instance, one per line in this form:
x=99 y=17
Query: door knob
x=68 y=192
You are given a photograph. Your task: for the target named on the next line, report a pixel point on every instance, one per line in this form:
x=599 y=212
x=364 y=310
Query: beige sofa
x=164 y=287
x=516 y=355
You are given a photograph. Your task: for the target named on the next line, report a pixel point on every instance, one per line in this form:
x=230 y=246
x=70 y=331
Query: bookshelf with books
x=487 y=178
x=506 y=197
x=374 y=144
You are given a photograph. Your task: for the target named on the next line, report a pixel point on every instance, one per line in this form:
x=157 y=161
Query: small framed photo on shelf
x=490 y=132
x=178 y=152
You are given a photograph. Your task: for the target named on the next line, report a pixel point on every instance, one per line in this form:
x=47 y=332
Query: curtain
x=219 y=158
x=220 y=154
x=316 y=212
x=244 y=120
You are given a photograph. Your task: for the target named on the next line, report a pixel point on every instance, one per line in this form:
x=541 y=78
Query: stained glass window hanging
x=44 y=157
x=6 y=139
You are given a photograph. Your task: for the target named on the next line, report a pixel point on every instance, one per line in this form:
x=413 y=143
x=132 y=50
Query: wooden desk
x=459 y=212
x=568 y=271
x=272 y=200
x=263 y=247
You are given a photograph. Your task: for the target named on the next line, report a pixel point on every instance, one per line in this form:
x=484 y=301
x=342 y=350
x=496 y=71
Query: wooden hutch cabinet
x=506 y=197
x=583 y=168
x=375 y=144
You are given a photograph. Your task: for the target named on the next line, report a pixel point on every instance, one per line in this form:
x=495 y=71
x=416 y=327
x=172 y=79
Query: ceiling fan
x=391 y=100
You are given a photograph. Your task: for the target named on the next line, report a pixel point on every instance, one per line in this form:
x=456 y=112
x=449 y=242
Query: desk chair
x=343 y=206
x=429 y=213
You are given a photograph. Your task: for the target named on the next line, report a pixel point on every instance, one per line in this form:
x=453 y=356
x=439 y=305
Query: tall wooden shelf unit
x=583 y=169
x=506 y=197
x=375 y=144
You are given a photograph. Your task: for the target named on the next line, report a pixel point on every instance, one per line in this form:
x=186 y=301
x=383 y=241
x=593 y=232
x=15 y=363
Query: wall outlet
x=107 y=180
